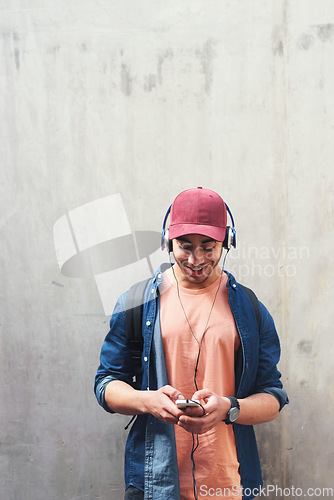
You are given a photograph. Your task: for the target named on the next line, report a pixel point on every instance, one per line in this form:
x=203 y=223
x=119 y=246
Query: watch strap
x=234 y=404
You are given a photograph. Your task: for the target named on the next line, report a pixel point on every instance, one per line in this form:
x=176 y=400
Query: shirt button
x=145 y=359
x=234 y=286
x=159 y=276
x=148 y=323
x=152 y=291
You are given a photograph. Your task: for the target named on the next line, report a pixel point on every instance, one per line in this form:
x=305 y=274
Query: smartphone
x=186 y=403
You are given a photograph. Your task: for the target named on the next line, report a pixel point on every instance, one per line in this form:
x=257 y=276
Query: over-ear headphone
x=166 y=243
x=230 y=239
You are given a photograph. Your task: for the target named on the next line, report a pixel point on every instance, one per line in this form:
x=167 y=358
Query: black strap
x=134 y=316
x=133 y=319
x=255 y=303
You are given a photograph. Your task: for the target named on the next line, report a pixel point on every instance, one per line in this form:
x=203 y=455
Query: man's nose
x=195 y=257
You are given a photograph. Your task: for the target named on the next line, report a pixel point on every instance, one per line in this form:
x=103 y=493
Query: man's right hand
x=124 y=399
x=161 y=404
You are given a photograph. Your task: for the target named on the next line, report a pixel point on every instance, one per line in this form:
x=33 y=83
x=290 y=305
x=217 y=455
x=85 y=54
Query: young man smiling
x=201 y=341
x=197 y=260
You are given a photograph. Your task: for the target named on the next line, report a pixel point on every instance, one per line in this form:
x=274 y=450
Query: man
x=202 y=342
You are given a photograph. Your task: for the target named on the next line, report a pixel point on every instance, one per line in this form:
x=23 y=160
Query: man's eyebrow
x=182 y=238
x=209 y=240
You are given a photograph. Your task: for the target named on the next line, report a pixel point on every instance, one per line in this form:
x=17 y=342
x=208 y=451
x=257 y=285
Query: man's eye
x=208 y=249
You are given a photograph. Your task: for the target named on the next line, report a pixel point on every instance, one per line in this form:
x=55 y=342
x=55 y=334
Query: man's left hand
x=216 y=408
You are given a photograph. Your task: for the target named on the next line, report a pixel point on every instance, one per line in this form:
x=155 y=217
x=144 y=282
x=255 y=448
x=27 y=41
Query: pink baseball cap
x=198 y=211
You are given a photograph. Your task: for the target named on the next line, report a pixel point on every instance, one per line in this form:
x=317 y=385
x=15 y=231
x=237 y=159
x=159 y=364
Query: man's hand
x=161 y=404
x=216 y=408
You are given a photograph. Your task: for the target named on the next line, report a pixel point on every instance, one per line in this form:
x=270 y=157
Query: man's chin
x=196 y=279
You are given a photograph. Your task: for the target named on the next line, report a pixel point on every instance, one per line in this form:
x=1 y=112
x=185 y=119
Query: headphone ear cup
x=234 y=238
x=163 y=241
x=228 y=240
x=166 y=243
x=170 y=245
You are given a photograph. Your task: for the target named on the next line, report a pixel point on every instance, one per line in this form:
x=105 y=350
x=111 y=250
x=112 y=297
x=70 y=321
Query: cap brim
x=216 y=233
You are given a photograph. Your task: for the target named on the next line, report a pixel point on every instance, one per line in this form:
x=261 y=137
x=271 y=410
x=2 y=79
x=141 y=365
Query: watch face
x=233 y=414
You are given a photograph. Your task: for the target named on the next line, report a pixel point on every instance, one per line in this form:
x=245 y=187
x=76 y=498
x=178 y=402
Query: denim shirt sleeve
x=268 y=377
x=115 y=358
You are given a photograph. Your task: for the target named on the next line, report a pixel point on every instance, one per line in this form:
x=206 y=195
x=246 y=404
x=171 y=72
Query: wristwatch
x=233 y=412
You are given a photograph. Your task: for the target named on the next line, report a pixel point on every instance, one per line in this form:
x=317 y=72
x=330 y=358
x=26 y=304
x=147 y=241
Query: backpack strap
x=239 y=359
x=255 y=303
x=133 y=320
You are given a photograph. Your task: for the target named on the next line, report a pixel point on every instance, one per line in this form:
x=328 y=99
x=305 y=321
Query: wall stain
x=151 y=83
x=325 y=32
x=53 y=282
x=306 y=41
x=278 y=42
x=54 y=49
x=17 y=58
x=168 y=54
x=279 y=48
x=16 y=39
x=207 y=54
x=152 y=80
x=126 y=80
x=305 y=347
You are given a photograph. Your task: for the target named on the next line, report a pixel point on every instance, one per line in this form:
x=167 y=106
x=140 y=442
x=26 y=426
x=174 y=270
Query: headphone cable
x=206 y=326
x=195 y=446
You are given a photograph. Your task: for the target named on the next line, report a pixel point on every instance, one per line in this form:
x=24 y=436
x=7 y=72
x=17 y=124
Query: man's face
x=197 y=258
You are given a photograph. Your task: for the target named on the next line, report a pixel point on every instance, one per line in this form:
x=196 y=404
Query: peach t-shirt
x=216 y=463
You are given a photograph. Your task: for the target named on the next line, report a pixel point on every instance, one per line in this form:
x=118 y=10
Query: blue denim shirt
x=150 y=455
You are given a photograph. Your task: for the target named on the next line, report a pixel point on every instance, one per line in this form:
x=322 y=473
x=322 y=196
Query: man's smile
x=197 y=270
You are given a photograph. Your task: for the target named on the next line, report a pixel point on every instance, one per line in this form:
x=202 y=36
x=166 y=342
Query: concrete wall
x=143 y=99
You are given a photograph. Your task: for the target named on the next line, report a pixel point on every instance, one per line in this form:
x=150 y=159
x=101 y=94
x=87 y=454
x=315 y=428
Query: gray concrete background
x=147 y=98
